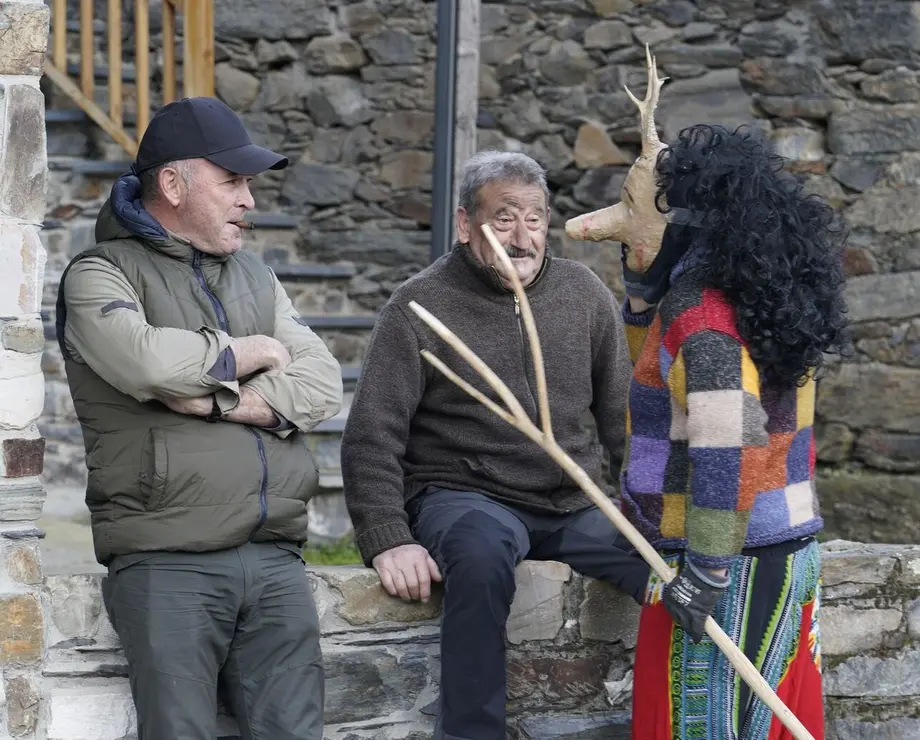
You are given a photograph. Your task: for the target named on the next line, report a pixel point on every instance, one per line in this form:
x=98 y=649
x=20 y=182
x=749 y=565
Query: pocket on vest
x=154 y=472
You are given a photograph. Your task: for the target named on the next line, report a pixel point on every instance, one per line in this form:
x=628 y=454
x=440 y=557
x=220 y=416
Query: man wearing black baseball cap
x=203 y=128
x=194 y=381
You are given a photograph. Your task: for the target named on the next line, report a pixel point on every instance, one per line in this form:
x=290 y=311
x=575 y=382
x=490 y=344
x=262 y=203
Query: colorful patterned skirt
x=687 y=691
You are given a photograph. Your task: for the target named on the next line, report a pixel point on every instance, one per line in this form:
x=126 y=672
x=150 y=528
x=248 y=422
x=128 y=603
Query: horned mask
x=635 y=221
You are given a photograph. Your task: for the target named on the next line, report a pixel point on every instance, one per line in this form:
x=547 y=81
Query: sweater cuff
x=643 y=319
x=383 y=537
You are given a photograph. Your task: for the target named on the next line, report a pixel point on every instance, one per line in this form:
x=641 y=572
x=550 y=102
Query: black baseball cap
x=207 y=128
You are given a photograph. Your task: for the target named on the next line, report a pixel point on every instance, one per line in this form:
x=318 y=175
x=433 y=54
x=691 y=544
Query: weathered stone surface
x=854 y=571
x=553 y=153
x=799 y=144
x=365 y=603
x=368 y=683
x=874 y=297
x=334 y=54
x=858 y=261
x=21 y=629
x=777 y=38
x=22 y=167
x=674 y=12
x=391 y=46
x=871 y=395
x=610 y=8
x=893 y=729
x=853 y=30
x=97 y=712
x=405 y=127
x=834 y=442
x=275 y=53
x=595 y=148
x=283 y=89
x=535 y=679
x=875 y=129
x=537 y=610
x=713 y=56
x=870 y=507
x=76 y=604
x=279 y=19
x=781 y=77
x=848 y=631
x=23 y=701
x=21 y=499
x=858 y=173
x=22 y=457
x=600 y=187
x=410 y=168
x=893 y=86
x=338 y=101
x=24 y=335
x=23 y=564
x=318 y=184
x=608 y=615
x=599 y=726
x=567 y=63
x=236 y=88
x=913 y=620
x=361 y=17
x=865 y=676
x=716 y=97
x=889 y=451
x=608 y=35
x=24 y=32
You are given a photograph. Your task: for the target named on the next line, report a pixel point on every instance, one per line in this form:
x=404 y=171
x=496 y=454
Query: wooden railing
x=197 y=61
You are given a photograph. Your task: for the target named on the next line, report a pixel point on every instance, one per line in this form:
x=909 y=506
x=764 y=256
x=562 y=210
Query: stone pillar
x=23 y=168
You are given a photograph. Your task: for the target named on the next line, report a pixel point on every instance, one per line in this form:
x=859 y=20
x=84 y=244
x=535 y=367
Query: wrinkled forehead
x=516 y=195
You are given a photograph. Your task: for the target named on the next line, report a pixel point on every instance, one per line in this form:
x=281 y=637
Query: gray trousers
x=239 y=624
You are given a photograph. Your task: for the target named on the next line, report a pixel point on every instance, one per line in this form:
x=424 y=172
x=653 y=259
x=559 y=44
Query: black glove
x=691 y=597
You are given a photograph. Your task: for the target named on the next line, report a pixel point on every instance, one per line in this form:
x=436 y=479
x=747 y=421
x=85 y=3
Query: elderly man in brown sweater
x=440 y=488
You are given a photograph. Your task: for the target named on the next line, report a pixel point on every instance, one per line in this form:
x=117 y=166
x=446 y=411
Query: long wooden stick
x=517 y=418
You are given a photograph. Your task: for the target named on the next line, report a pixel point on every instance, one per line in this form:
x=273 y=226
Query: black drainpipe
x=442 y=186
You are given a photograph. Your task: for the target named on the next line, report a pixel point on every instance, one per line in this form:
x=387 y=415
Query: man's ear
x=463 y=225
x=171 y=185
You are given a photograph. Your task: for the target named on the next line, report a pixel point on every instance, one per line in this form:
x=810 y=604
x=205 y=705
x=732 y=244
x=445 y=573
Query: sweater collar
x=484 y=279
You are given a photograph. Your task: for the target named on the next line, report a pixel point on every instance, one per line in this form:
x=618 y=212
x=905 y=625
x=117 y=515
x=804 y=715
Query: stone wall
x=571 y=642
x=22 y=262
x=345 y=89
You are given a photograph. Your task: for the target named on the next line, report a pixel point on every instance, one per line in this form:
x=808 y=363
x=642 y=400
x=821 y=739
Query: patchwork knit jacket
x=716 y=460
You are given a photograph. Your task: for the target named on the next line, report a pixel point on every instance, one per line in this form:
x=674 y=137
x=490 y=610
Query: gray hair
x=150 y=185
x=489 y=166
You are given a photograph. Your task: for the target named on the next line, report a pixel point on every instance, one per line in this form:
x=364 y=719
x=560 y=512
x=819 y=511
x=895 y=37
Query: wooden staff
x=515 y=415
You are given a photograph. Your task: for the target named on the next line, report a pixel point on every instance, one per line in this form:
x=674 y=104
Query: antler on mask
x=637 y=222
x=651 y=144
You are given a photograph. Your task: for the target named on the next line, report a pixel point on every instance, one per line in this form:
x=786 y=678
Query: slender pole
x=442 y=186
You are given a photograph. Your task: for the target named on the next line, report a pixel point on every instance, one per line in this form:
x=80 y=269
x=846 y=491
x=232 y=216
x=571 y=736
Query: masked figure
x=734 y=294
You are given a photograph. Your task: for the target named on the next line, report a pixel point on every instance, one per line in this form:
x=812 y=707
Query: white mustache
x=531 y=252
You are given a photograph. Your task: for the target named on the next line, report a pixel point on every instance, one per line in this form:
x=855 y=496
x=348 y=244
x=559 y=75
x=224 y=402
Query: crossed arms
x=297 y=383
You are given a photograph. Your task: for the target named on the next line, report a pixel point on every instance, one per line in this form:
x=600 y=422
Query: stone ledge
x=570 y=647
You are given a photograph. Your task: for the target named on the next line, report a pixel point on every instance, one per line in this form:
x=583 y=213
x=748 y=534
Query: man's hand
x=190 y=406
x=691 y=597
x=407 y=571
x=258 y=352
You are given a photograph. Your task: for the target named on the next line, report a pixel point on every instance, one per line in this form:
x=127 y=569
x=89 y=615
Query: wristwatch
x=216 y=414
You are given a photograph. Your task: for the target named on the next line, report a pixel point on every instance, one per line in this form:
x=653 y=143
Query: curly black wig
x=775 y=252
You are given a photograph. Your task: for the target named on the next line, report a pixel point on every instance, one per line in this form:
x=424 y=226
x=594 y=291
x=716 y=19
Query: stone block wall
x=570 y=649
x=22 y=262
x=346 y=90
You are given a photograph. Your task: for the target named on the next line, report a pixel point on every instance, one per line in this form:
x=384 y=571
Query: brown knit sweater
x=410 y=427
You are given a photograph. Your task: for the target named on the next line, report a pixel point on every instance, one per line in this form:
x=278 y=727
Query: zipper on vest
x=524 y=358
x=263 y=484
x=218 y=308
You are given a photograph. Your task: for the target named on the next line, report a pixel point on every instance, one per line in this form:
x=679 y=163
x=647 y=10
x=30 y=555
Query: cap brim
x=248 y=160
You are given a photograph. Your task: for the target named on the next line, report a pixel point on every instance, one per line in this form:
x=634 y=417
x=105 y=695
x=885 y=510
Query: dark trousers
x=477 y=543
x=239 y=623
